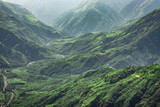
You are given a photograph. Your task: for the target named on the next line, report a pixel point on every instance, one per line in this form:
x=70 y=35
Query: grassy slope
x=24 y=24
x=131 y=86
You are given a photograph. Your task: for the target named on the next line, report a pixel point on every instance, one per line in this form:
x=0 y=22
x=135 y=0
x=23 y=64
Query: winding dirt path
x=5 y=82
x=10 y=99
x=4 y=89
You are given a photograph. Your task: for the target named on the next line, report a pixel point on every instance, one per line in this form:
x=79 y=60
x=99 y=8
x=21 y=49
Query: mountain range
x=137 y=45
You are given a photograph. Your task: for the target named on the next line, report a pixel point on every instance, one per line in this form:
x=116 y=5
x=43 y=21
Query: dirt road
x=5 y=82
x=4 y=89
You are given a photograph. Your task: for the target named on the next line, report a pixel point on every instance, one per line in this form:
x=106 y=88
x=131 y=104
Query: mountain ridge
x=137 y=8
x=26 y=25
x=16 y=51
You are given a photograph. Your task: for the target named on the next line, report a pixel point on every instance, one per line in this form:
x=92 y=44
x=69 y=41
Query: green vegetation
x=98 y=69
x=30 y=88
x=131 y=86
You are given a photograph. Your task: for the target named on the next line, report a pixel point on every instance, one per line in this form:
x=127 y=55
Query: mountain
x=15 y=51
x=24 y=24
x=139 y=8
x=91 y=16
x=137 y=45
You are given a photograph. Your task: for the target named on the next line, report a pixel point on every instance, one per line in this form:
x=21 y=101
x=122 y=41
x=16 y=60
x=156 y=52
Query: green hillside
x=131 y=86
x=15 y=51
x=139 y=8
x=91 y=16
x=23 y=23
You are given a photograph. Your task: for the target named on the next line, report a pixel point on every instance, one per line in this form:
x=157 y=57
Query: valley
x=94 y=55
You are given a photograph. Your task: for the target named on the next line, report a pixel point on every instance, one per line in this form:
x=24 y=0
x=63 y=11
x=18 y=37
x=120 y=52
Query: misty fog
x=48 y=10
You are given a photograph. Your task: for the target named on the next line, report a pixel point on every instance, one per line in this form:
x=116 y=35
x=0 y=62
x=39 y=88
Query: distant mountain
x=15 y=51
x=53 y=8
x=139 y=8
x=23 y=23
x=116 y=4
x=91 y=16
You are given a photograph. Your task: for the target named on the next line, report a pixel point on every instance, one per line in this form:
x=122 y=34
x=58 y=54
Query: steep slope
x=104 y=87
x=24 y=24
x=137 y=45
x=91 y=16
x=139 y=8
x=15 y=51
x=129 y=87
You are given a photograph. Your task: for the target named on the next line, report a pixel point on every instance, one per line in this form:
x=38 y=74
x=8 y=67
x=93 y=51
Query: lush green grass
x=30 y=88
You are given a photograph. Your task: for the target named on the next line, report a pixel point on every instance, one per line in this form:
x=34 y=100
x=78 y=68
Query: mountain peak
x=88 y=17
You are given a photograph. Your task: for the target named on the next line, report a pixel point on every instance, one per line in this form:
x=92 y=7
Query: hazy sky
x=66 y=2
x=16 y=1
